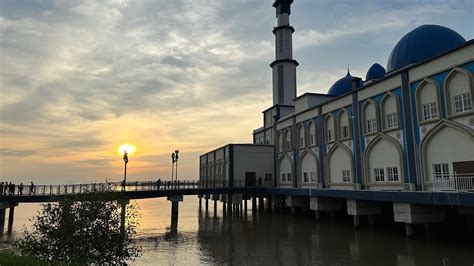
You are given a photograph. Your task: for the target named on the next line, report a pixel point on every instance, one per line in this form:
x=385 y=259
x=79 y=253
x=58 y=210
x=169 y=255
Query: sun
x=129 y=148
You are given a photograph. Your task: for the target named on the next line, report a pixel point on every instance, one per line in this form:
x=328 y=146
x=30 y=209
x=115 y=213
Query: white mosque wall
x=380 y=87
x=256 y=159
x=337 y=104
x=446 y=143
x=339 y=159
x=442 y=63
x=311 y=114
x=384 y=155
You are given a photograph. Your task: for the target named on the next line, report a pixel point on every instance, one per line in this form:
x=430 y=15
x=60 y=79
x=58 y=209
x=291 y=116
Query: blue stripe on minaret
x=407 y=124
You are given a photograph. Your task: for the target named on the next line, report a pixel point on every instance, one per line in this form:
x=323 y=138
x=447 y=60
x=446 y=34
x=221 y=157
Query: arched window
x=280 y=142
x=301 y=136
x=370 y=117
x=459 y=90
x=288 y=139
x=330 y=129
x=344 y=125
x=390 y=112
x=312 y=133
x=427 y=99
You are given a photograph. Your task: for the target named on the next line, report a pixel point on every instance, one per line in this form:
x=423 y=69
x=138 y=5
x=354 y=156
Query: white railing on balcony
x=454 y=184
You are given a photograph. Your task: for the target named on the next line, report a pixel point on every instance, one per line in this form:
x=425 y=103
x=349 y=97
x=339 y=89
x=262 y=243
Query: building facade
x=405 y=128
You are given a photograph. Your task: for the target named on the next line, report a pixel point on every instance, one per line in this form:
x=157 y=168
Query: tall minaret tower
x=284 y=67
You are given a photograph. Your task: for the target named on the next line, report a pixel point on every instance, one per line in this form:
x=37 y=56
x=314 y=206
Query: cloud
x=15 y=153
x=78 y=78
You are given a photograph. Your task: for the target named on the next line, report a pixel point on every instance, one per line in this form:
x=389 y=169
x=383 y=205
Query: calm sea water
x=271 y=239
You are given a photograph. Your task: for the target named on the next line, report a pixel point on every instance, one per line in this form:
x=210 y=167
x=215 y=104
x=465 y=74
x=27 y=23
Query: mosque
x=406 y=127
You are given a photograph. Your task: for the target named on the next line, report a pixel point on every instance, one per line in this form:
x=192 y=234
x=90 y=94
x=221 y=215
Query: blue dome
x=376 y=71
x=342 y=86
x=422 y=43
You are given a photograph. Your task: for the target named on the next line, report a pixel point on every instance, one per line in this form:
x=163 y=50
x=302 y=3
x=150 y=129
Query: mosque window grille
x=305 y=177
x=346 y=176
x=430 y=111
x=392 y=174
x=283 y=177
x=301 y=142
x=441 y=171
x=311 y=139
x=330 y=136
x=313 y=176
x=392 y=120
x=379 y=174
x=345 y=132
x=462 y=103
x=371 y=125
x=288 y=175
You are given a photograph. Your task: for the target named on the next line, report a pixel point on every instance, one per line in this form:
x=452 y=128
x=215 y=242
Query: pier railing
x=454 y=184
x=58 y=189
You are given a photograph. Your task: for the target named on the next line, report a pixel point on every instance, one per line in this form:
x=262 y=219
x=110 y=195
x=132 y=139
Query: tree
x=83 y=229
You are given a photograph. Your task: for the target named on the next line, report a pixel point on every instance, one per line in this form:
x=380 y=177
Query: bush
x=83 y=229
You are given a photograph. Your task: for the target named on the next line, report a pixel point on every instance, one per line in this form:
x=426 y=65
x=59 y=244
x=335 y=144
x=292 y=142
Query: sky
x=80 y=78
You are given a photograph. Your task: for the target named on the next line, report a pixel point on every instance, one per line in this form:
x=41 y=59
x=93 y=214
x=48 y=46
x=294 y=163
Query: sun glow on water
x=126 y=147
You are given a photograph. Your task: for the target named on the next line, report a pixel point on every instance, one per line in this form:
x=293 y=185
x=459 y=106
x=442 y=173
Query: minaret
x=284 y=67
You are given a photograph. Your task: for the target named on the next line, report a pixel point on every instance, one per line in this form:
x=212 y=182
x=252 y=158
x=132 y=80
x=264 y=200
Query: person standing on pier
x=5 y=188
x=1 y=188
x=20 y=189
x=32 y=188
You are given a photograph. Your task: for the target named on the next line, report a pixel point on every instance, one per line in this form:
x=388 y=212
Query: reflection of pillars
x=254 y=204
x=356 y=220
x=11 y=215
x=122 y=219
x=200 y=202
x=2 y=220
x=332 y=215
x=215 y=207
x=293 y=210
x=269 y=204
x=260 y=204
x=207 y=205
x=224 y=208
x=317 y=215
x=409 y=229
x=245 y=206
x=371 y=220
x=229 y=203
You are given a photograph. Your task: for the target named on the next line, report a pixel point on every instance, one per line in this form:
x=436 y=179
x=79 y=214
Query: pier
x=409 y=207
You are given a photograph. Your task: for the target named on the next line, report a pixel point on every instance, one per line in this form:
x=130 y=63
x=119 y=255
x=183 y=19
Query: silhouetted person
x=12 y=188
x=5 y=188
x=32 y=188
x=1 y=188
x=158 y=183
x=20 y=188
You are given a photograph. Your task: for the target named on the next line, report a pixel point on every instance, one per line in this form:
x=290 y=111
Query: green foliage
x=83 y=229
x=9 y=258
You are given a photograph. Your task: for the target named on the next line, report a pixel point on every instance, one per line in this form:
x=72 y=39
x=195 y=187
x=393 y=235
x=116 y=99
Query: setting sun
x=129 y=148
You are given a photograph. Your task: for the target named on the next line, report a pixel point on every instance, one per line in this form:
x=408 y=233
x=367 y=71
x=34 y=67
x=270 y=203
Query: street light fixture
x=173 y=160
x=125 y=159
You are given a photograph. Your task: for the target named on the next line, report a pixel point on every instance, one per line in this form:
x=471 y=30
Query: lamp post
x=125 y=159
x=176 y=152
x=172 y=166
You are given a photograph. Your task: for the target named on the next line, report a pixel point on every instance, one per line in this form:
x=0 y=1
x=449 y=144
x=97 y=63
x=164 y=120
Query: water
x=278 y=239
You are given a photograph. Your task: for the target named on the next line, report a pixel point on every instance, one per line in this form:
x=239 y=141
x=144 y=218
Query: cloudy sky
x=79 y=78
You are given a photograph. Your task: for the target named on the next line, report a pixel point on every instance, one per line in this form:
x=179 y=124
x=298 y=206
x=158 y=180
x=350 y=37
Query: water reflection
x=217 y=237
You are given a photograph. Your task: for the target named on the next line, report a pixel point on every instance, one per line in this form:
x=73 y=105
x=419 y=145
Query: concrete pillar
x=175 y=211
x=260 y=204
x=11 y=215
x=409 y=229
x=359 y=208
x=200 y=201
x=254 y=204
x=2 y=220
x=245 y=205
x=410 y=214
x=356 y=220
